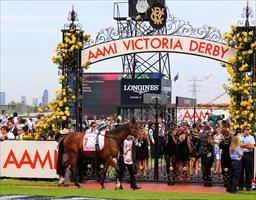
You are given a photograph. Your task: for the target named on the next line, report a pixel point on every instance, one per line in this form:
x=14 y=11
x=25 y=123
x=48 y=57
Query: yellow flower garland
x=242 y=107
x=59 y=108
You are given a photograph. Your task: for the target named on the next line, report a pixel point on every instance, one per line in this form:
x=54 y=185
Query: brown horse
x=72 y=145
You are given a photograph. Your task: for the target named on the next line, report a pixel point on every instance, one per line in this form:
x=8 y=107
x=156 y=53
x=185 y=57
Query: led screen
x=101 y=94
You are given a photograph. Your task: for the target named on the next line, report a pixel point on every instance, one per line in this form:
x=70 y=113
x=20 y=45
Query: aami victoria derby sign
x=163 y=43
x=131 y=90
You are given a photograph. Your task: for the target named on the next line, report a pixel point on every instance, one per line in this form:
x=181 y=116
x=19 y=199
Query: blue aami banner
x=132 y=90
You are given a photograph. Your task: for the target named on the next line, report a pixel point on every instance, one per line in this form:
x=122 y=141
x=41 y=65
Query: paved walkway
x=159 y=187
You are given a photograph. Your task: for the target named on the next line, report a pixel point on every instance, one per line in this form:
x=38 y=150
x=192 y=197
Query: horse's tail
x=60 y=157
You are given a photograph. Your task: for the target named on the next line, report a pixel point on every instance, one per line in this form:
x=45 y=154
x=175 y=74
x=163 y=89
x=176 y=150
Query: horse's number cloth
x=89 y=141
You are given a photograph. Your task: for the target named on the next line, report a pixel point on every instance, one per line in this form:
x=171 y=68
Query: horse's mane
x=118 y=129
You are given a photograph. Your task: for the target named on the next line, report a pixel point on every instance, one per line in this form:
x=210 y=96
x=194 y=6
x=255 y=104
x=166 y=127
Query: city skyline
x=24 y=100
x=28 y=43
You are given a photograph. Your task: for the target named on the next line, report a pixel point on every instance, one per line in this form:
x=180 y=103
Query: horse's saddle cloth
x=90 y=139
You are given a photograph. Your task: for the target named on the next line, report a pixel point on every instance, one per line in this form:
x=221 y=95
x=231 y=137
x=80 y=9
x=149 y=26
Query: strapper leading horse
x=72 y=145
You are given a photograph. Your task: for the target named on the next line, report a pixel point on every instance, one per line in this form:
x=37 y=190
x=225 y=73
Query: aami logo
x=195 y=115
x=33 y=162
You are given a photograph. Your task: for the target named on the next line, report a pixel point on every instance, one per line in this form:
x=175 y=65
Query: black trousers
x=247 y=167
x=233 y=181
x=226 y=169
x=206 y=169
x=130 y=168
x=161 y=146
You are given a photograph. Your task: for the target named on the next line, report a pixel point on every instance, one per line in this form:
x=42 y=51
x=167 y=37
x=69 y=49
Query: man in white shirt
x=93 y=129
x=125 y=160
x=247 y=145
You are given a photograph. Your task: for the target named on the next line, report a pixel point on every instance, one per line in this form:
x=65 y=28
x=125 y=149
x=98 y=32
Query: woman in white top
x=218 y=137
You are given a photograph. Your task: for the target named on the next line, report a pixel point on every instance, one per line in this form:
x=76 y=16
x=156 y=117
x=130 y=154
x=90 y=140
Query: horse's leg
x=118 y=172
x=103 y=174
x=73 y=162
x=63 y=172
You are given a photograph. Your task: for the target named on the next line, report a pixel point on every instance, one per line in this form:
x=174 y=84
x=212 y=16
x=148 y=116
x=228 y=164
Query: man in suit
x=12 y=128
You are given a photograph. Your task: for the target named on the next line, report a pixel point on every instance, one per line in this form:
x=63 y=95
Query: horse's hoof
x=78 y=185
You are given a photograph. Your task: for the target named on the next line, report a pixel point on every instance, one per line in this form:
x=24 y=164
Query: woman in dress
x=142 y=151
x=218 y=137
x=195 y=143
x=183 y=147
x=171 y=150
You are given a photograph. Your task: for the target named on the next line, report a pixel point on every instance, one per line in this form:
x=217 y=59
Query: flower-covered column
x=66 y=109
x=242 y=88
x=71 y=69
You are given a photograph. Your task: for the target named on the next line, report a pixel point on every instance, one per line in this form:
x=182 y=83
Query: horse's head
x=136 y=129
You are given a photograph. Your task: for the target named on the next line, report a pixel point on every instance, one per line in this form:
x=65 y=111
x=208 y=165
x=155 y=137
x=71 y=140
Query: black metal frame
x=74 y=72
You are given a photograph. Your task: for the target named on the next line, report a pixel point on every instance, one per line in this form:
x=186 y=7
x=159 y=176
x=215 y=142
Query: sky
x=30 y=31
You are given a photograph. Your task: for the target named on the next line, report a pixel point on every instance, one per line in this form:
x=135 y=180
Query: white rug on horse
x=90 y=141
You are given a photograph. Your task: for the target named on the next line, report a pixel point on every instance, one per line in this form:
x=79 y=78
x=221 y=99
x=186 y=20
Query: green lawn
x=15 y=186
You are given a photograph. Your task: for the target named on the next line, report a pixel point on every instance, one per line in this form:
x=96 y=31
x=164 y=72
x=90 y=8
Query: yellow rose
x=250 y=51
x=246 y=91
x=60 y=103
x=67 y=113
x=54 y=60
x=236 y=126
x=244 y=33
x=243 y=103
x=250 y=100
x=232 y=59
x=251 y=116
x=64 y=118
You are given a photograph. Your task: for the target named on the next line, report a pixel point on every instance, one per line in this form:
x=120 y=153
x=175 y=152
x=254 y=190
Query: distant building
x=35 y=102
x=45 y=98
x=2 y=98
x=24 y=100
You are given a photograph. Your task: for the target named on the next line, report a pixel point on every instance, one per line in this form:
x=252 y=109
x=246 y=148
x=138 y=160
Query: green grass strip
x=13 y=186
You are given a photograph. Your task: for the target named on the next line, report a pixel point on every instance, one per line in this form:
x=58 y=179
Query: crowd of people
x=216 y=149
x=201 y=150
x=198 y=150
x=16 y=127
